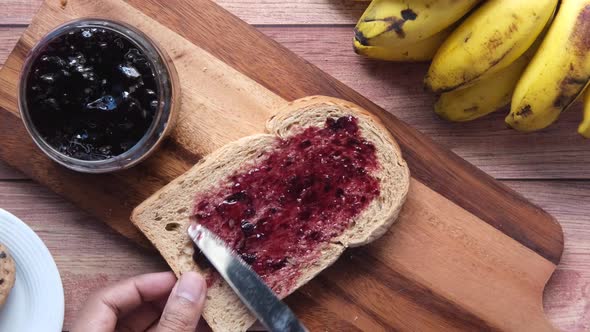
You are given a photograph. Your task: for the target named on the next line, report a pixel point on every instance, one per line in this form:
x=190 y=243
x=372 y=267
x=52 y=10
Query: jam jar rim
x=164 y=119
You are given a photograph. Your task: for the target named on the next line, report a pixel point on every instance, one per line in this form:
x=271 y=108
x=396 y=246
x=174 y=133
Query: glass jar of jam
x=98 y=96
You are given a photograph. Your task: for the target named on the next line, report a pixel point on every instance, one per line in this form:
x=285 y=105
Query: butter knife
x=253 y=292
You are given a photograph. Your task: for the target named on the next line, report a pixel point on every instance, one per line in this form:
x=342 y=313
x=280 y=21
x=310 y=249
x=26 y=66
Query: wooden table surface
x=549 y=168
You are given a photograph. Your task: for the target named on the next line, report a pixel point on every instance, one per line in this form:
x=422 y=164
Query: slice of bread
x=164 y=217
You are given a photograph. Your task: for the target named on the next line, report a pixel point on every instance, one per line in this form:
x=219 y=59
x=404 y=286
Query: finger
x=131 y=293
x=185 y=304
x=103 y=309
x=140 y=319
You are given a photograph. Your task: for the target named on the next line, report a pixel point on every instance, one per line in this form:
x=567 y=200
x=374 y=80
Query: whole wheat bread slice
x=164 y=217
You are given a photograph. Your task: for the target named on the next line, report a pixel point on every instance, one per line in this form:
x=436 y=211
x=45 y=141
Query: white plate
x=36 y=303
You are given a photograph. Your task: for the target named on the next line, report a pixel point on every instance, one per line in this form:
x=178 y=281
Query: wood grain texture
x=8 y=38
x=261 y=12
x=76 y=242
x=570 y=313
x=558 y=152
x=10 y=173
x=374 y=314
x=291 y=78
x=567 y=295
x=207 y=84
x=274 y=68
x=18 y=12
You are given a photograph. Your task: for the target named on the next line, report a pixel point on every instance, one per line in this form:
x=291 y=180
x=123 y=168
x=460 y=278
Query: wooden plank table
x=549 y=168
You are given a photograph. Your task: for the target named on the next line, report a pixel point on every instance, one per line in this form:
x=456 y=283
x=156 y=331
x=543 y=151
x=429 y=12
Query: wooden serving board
x=467 y=253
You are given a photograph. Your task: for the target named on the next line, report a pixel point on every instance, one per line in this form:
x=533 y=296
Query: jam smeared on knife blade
x=92 y=93
x=280 y=212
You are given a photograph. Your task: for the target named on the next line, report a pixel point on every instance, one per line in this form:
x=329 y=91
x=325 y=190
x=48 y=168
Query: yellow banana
x=483 y=97
x=422 y=50
x=489 y=94
x=584 y=128
x=491 y=38
x=558 y=72
x=392 y=23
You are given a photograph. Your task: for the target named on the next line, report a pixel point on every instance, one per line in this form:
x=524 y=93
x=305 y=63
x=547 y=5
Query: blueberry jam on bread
x=326 y=176
x=277 y=213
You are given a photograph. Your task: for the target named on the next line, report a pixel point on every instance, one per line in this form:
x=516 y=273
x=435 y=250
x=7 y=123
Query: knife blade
x=254 y=293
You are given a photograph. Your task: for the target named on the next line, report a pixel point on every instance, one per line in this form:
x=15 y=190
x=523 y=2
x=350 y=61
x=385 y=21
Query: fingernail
x=190 y=286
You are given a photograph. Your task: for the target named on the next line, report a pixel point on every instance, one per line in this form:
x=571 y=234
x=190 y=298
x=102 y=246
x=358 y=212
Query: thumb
x=185 y=304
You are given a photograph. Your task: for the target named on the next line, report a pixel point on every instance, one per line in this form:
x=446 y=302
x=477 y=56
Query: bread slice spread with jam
x=328 y=175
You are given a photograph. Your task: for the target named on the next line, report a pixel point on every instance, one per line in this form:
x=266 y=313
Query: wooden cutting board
x=467 y=253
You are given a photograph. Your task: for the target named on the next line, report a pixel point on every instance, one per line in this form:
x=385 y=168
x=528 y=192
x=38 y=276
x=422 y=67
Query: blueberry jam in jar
x=94 y=91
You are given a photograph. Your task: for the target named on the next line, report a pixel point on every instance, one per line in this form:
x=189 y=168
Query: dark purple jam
x=279 y=213
x=92 y=93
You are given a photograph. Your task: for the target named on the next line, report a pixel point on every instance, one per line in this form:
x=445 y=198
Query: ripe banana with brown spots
x=484 y=96
x=558 y=72
x=393 y=23
x=422 y=50
x=489 y=94
x=490 y=39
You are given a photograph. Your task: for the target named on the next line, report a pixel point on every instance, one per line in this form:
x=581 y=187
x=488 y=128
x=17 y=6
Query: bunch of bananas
x=531 y=54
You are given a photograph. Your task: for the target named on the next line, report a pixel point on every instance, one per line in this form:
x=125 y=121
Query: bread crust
x=7 y=274
x=164 y=217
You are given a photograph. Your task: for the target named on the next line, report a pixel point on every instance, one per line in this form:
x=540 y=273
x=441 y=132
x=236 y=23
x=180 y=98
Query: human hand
x=139 y=304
